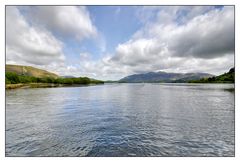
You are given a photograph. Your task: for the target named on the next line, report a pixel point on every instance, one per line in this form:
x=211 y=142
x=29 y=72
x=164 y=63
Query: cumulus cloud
x=207 y=36
x=200 y=40
x=29 y=45
x=67 y=21
x=203 y=40
x=32 y=35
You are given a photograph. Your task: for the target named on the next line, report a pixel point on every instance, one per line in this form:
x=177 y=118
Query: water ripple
x=121 y=120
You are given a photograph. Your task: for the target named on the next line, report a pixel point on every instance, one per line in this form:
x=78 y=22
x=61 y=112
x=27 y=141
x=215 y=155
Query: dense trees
x=13 y=78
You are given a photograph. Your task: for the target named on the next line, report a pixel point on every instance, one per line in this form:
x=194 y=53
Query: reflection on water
x=121 y=120
x=230 y=90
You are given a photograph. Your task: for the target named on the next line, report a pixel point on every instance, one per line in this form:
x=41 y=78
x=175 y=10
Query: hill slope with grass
x=30 y=71
x=25 y=76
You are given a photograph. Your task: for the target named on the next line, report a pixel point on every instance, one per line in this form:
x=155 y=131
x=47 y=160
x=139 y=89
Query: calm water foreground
x=121 y=120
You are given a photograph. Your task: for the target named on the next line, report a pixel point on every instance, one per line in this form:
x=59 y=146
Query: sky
x=111 y=42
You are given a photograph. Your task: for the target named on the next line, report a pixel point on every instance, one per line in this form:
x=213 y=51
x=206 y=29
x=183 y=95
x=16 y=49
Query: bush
x=12 y=77
x=7 y=81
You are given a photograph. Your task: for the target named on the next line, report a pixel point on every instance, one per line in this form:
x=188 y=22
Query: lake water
x=121 y=120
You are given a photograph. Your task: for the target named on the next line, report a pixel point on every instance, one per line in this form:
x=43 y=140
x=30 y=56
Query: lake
x=121 y=120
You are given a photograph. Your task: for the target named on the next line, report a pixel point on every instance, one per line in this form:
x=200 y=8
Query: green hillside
x=224 y=78
x=25 y=76
x=30 y=71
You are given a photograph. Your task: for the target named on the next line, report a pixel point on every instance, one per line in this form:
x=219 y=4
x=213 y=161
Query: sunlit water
x=121 y=120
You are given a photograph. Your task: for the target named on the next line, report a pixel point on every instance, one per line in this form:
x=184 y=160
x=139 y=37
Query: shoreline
x=41 y=85
x=54 y=85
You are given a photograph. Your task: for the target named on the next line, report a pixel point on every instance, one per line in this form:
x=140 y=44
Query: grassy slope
x=29 y=77
x=30 y=71
x=229 y=76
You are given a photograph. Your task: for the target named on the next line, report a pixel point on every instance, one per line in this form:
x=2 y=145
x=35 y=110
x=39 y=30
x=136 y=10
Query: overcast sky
x=110 y=42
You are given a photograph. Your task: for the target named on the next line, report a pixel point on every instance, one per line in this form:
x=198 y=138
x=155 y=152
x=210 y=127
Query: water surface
x=121 y=120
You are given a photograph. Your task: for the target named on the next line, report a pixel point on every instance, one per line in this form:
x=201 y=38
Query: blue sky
x=110 y=42
x=115 y=24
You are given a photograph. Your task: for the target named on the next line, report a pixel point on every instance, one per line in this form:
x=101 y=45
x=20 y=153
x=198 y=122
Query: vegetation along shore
x=29 y=77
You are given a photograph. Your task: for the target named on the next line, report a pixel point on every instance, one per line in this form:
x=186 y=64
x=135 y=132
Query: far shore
x=54 y=85
x=42 y=85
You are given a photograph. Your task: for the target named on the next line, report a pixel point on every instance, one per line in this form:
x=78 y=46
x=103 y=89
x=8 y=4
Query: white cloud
x=207 y=36
x=202 y=42
x=67 y=21
x=29 y=45
x=31 y=40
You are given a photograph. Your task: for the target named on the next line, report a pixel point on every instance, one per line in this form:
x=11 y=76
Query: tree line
x=13 y=78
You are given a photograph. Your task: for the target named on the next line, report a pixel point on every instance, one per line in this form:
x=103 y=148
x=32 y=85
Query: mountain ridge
x=162 y=76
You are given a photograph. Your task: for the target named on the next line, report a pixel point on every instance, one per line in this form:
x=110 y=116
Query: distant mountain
x=29 y=71
x=164 y=77
x=228 y=77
